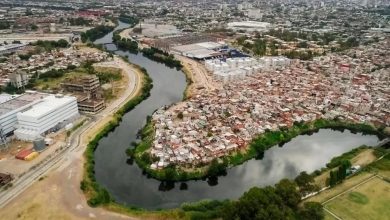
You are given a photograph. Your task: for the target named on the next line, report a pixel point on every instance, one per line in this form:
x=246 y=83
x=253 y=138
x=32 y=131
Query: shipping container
x=31 y=156
x=23 y=153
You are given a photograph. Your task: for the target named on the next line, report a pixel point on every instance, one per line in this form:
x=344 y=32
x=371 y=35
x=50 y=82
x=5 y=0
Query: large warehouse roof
x=19 y=102
x=48 y=104
x=199 y=50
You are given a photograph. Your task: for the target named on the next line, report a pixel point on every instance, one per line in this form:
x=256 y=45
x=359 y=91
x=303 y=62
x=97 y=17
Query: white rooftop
x=47 y=105
x=5 y=97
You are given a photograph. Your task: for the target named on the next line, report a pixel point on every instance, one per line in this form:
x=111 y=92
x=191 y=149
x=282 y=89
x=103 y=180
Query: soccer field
x=368 y=201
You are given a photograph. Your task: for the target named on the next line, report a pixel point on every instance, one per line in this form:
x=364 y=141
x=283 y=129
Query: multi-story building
x=88 y=92
x=12 y=105
x=19 y=79
x=49 y=114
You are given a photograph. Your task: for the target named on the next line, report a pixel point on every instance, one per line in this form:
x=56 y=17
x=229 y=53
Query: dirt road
x=201 y=79
x=58 y=194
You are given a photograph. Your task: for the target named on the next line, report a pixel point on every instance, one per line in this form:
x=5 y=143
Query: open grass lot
x=329 y=216
x=54 y=83
x=368 y=201
x=347 y=184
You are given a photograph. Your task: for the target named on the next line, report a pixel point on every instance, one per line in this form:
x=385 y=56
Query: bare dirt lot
x=58 y=195
x=201 y=79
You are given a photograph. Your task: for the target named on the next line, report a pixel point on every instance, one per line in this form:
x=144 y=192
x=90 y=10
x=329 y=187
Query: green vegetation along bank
x=132 y=21
x=96 y=33
x=255 y=149
x=155 y=54
x=161 y=57
x=96 y=194
x=124 y=43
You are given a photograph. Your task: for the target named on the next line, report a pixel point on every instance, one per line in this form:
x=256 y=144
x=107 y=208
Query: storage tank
x=39 y=144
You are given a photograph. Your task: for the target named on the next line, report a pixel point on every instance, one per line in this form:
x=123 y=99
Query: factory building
x=50 y=114
x=203 y=50
x=11 y=105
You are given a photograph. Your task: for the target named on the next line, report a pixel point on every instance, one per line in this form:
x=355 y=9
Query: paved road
x=21 y=184
x=33 y=175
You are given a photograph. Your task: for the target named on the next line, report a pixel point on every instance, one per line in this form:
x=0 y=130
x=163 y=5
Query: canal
x=128 y=185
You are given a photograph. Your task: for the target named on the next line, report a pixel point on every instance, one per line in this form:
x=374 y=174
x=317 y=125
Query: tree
x=34 y=27
x=217 y=168
x=146 y=158
x=279 y=202
x=180 y=115
x=28 y=12
x=170 y=173
x=259 y=203
x=4 y=25
x=288 y=192
x=312 y=211
x=342 y=170
x=303 y=44
x=332 y=178
x=306 y=183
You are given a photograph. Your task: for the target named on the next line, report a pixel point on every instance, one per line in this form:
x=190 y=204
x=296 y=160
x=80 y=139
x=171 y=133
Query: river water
x=128 y=185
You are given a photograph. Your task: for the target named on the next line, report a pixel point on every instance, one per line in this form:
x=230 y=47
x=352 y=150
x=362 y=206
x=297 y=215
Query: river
x=127 y=184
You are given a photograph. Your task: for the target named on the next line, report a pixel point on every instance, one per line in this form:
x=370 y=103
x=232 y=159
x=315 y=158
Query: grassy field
x=363 y=157
x=368 y=201
x=54 y=83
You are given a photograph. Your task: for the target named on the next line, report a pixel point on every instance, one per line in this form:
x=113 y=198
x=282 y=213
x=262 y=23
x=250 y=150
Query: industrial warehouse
x=32 y=114
x=52 y=113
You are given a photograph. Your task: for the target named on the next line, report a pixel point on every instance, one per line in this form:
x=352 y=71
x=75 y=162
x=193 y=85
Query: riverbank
x=196 y=73
x=95 y=194
x=255 y=149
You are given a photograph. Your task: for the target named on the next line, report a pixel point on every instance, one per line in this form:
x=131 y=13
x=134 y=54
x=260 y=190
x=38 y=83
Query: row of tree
x=49 y=45
x=162 y=57
x=338 y=176
x=96 y=33
x=272 y=202
x=128 y=19
x=124 y=43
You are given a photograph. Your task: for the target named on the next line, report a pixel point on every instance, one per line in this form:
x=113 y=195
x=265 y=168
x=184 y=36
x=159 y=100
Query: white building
x=52 y=112
x=11 y=105
x=10 y=48
x=249 y=26
x=238 y=68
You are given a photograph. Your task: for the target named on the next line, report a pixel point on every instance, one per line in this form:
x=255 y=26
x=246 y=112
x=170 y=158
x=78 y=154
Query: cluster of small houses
x=214 y=124
x=18 y=72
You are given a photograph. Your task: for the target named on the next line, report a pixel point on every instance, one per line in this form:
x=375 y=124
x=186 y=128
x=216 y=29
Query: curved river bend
x=128 y=185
